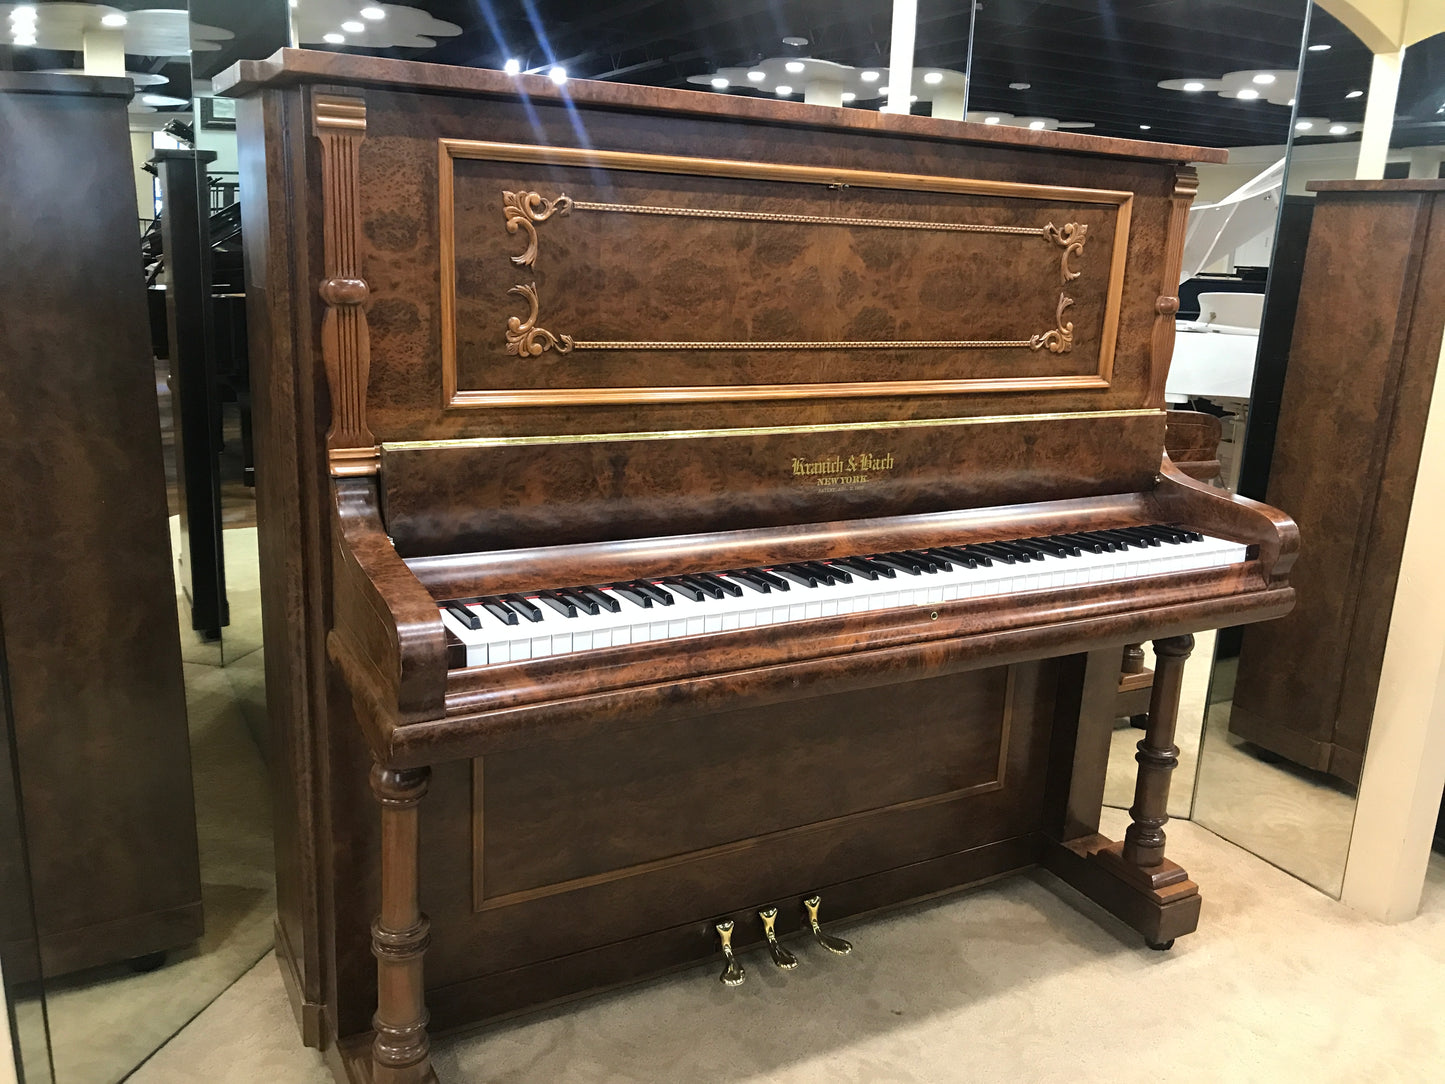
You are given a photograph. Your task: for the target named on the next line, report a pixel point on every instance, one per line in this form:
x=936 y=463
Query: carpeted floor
x=1021 y=980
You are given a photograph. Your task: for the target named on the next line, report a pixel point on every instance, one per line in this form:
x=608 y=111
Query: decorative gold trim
x=522 y=210
x=761 y=430
x=719 y=850
x=339 y=123
x=453 y=396
x=524 y=337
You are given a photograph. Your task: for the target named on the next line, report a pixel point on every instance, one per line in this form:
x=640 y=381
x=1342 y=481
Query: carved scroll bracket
x=1071 y=237
x=524 y=337
x=523 y=210
x=339 y=122
x=1060 y=340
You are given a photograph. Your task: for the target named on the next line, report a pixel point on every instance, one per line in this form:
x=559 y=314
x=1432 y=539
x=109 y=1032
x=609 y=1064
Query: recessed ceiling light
x=372 y=13
x=1355 y=94
x=792 y=40
x=334 y=39
x=558 y=74
x=913 y=97
x=1320 y=47
x=1019 y=86
x=513 y=66
x=719 y=83
x=782 y=90
x=933 y=78
x=115 y=18
x=794 y=66
x=757 y=76
x=992 y=120
x=1036 y=125
x=849 y=96
x=868 y=76
x=162 y=100
x=23 y=37
x=1304 y=126
x=1290 y=103
x=1264 y=79
x=882 y=90
x=1248 y=94
x=352 y=26
x=1194 y=87
x=24 y=14
x=1338 y=129
x=1146 y=127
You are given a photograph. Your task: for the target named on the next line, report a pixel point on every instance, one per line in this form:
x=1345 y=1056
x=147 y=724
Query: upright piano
x=688 y=521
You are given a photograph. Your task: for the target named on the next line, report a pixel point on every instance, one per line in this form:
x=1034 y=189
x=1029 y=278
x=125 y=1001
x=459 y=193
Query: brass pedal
x=781 y=956
x=827 y=940
x=733 y=974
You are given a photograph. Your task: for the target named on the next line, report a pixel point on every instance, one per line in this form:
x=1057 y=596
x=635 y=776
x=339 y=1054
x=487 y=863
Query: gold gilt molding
x=522 y=209
x=339 y=123
x=526 y=338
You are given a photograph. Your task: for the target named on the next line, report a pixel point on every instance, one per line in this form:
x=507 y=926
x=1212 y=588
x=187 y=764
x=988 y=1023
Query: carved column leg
x=1158 y=756
x=401 y=1051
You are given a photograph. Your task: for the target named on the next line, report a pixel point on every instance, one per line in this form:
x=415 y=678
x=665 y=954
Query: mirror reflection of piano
x=700 y=515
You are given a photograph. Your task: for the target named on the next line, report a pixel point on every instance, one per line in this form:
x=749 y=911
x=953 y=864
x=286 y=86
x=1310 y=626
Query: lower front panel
x=573 y=866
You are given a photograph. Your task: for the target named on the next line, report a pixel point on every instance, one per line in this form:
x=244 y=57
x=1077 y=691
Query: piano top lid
x=288 y=67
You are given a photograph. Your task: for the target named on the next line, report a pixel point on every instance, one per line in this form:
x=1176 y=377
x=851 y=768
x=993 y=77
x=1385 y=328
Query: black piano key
x=500 y=610
x=1127 y=539
x=860 y=567
x=1143 y=534
x=1053 y=549
x=932 y=562
x=796 y=574
x=598 y=597
x=632 y=593
x=523 y=606
x=579 y=599
x=753 y=578
x=1089 y=543
x=658 y=594
x=690 y=590
x=828 y=573
x=562 y=605
x=1020 y=550
x=888 y=572
x=994 y=550
x=767 y=577
x=958 y=556
x=726 y=586
x=468 y=618
x=898 y=564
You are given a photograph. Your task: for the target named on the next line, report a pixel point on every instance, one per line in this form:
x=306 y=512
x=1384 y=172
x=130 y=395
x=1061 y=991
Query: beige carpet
x=1021 y=980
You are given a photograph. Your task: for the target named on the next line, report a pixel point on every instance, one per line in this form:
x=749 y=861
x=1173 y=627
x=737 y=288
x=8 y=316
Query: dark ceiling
x=1084 y=60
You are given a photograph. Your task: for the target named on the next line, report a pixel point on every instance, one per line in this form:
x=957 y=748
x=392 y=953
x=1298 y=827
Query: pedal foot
x=827 y=940
x=781 y=956
x=733 y=974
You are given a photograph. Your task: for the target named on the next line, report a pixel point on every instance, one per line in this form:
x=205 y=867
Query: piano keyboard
x=514 y=627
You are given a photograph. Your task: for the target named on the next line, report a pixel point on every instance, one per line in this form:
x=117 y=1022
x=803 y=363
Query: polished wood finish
x=191 y=352
x=87 y=597
x=660 y=789
x=1361 y=373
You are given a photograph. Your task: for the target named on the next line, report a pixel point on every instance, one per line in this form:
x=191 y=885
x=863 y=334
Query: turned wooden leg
x=401 y=1051
x=1133 y=662
x=1158 y=756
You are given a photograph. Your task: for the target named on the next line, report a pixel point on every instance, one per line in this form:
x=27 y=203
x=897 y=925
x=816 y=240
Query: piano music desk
x=513 y=338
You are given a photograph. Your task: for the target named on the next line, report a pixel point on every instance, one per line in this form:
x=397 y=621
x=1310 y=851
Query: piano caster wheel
x=151 y=961
x=1140 y=721
x=1161 y=946
x=781 y=956
x=833 y=944
x=733 y=974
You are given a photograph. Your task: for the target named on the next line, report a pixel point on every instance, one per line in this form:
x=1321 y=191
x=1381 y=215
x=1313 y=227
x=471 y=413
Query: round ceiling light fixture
x=1338 y=129
x=794 y=66
x=1319 y=47
x=1037 y=125
x=1019 y=86
x=1304 y=125
x=1355 y=94
x=1248 y=94
x=513 y=66
x=992 y=120
x=1263 y=79
x=849 y=96
x=933 y=78
x=372 y=13
x=1194 y=86
x=757 y=76
x=558 y=74
x=782 y=90
x=719 y=83
x=795 y=41
x=334 y=39
x=351 y=26
x=869 y=76
x=113 y=19
x=1146 y=127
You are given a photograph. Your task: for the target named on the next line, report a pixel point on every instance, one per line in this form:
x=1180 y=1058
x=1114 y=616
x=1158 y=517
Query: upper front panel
x=574 y=276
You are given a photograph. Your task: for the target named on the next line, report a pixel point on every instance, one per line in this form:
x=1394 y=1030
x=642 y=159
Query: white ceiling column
x=900 y=56
x=104 y=50
x=1379 y=115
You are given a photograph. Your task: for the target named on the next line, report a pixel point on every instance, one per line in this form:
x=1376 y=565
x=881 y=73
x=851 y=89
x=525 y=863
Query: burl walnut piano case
x=510 y=337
